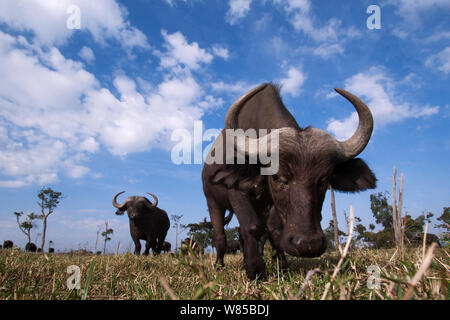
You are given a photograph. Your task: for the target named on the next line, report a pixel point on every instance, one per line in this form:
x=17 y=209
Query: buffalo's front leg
x=251 y=230
x=275 y=229
x=157 y=248
x=216 y=214
x=148 y=245
x=137 y=246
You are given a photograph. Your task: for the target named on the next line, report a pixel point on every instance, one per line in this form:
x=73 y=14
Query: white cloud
x=438 y=36
x=413 y=13
x=327 y=50
x=87 y=54
x=180 y=52
x=172 y=2
x=330 y=36
x=47 y=20
x=302 y=19
x=412 y=10
x=239 y=87
x=293 y=81
x=53 y=113
x=377 y=90
x=221 y=52
x=238 y=10
x=440 y=61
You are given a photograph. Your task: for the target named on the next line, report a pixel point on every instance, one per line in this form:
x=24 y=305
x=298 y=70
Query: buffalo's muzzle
x=301 y=246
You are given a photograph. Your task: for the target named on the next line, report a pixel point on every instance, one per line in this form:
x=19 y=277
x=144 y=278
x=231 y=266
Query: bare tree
x=397 y=209
x=27 y=225
x=177 y=226
x=106 y=234
x=96 y=240
x=49 y=200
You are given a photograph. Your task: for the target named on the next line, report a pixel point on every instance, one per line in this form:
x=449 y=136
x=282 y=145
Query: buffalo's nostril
x=291 y=239
x=295 y=241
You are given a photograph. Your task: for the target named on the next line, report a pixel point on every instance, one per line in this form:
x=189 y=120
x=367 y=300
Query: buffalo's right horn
x=356 y=144
x=155 y=203
x=114 y=201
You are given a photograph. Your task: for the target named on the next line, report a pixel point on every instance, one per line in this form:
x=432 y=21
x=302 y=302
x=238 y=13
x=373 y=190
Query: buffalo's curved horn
x=155 y=199
x=233 y=111
x=251 y=146
x=356 y=144
x=114 y=201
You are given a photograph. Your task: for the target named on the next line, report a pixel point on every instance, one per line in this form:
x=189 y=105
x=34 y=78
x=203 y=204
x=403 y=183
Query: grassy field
x=107 y=277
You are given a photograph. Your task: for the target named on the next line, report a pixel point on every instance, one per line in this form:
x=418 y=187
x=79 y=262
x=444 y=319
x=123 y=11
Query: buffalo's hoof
x=256 y=271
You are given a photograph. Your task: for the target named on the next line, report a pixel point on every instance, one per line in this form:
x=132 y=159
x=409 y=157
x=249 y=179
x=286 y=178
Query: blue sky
x=90 y=111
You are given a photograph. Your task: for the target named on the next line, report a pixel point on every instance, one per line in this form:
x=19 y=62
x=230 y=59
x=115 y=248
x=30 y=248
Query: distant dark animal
x=1 y=247
x=417 y=240
x=98 y=253
x=51 y=250
x=310 y=160
x=147 y=222
x=8 y=244
x=233 y=246
x=39 y=250
x=30 y=247
x=166 y=247
x=188 y=242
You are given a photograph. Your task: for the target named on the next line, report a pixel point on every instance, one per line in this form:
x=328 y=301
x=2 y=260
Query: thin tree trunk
x=96 y=241
x=394 y=204
x=397 y=211
x=176 y=238
x=44 y=229
x=399 y=217
x=335 y=222
x=106 y=237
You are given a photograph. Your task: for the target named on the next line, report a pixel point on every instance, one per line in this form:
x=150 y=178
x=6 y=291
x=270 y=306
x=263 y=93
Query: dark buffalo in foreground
x=8 y=244
x=310 y=160
x=166 y=247
x=30 y=247
x=147 y=222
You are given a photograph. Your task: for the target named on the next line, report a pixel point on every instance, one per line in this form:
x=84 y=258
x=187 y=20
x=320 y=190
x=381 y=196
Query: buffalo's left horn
x=114 y=201
x=233 y=111
x=283 y=134
x=356 y=144
x=155 y=203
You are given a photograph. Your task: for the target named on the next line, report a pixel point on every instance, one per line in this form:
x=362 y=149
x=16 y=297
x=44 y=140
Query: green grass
x=126 y=276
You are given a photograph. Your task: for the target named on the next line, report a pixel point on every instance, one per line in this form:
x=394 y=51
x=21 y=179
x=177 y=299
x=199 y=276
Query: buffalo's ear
x=352 y=176
x=120 y=212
